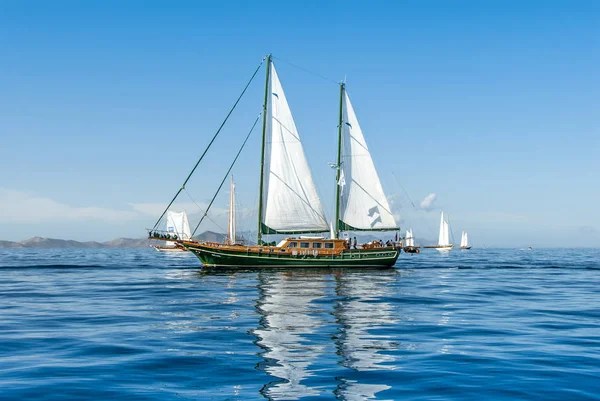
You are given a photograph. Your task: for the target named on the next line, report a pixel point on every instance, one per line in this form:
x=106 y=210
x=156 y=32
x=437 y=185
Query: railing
x=163 y=235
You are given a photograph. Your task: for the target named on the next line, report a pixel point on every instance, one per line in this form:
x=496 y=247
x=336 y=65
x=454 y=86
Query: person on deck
x=354 y=243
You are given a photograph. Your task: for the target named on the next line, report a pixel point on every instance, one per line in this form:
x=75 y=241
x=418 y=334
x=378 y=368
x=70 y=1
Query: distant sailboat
x=444 y=244
x=178 y=226
x=464 y=241
x=444 y=239
x=409 y=245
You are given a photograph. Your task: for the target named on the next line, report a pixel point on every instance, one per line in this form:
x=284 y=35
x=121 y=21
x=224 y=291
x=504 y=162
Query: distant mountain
x=10 y=244
x=41 y=242
x=211 y=236
x=47 y=243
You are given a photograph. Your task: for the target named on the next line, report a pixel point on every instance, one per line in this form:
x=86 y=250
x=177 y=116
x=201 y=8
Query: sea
x=136 y=324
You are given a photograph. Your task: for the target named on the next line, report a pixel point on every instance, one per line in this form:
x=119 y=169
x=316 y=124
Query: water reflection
x=362 y=313
x=315 y=323
x=286 y=318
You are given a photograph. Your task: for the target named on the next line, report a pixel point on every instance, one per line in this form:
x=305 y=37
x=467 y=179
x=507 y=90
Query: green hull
x=214 y=257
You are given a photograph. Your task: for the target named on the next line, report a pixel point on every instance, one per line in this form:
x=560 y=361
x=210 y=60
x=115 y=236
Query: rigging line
x=404 y=190
x=307 y=71
x=227 y=174
x=210 y=143
x=427 y=225
x=202 y=210
x=376 y=201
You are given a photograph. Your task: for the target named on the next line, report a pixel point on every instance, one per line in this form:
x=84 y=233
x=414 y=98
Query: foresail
x=362 y=201
x=291 y=202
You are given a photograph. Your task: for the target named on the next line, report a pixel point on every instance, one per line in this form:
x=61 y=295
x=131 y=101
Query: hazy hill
x=41 y=242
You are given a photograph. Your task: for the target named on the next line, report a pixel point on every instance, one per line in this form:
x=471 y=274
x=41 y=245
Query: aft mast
x=338 y=164
x=231 y=225
x=262 y=153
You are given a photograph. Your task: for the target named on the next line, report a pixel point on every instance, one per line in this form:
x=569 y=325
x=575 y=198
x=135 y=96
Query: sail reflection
x=304 y=336
x=287 y=318
x=361 y=312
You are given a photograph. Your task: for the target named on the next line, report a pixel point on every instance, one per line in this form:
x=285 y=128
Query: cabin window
x=293 y=245
x=316 y=245
x=305 y=245
x=329 y=245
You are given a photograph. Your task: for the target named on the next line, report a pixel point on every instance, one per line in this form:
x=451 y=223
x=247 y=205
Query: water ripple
x=140 y=325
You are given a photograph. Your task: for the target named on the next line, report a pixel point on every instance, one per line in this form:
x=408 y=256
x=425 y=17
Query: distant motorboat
x=464 y=241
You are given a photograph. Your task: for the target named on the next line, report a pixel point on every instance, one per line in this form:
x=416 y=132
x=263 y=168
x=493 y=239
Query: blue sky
x=491 y=106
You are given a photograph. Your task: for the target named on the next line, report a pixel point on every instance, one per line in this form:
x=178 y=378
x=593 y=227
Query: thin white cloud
x=428 y=202
x=22 y=207
x=155 y=209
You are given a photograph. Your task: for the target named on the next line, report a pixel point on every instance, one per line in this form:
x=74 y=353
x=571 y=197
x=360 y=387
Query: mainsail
x=443 y=239
x=177 y=223
x=363 y=205
x=290 y=199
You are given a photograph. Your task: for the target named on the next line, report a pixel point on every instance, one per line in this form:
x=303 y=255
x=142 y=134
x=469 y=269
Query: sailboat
x=464 y=241
x=443 y=244
x=409 y=245
x=289 y=204
x=178 y=228
x=443 y=239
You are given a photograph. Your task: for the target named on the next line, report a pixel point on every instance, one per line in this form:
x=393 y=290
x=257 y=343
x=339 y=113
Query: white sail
x=363 y=203
x=443 y=238
x=232 y=212
x=410 y=240
x=291 y=202
x=464 y=241
x=178 y=224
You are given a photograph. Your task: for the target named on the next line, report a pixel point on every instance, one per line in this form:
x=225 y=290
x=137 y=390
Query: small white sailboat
x=464 y=241
x=409 y=245
x=444 y=244
x=179 y=226
x=410 y=240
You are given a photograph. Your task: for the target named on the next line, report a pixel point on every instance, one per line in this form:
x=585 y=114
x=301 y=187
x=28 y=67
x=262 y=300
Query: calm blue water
x=139 y=325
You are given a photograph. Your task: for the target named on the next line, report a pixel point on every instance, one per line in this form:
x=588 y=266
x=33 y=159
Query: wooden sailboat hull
x=244 y=258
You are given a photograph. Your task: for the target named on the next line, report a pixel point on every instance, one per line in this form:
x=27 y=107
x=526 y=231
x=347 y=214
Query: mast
x=339 y=167
x=262 y=153
x=231 y=224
